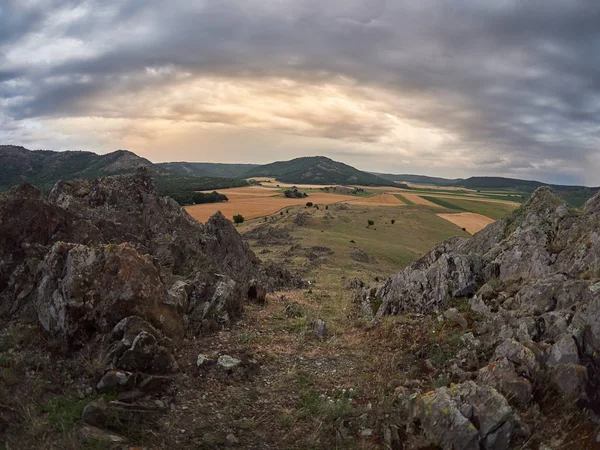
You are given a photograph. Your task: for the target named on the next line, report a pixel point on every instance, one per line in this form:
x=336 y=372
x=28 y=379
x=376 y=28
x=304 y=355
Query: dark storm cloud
x=517 y=84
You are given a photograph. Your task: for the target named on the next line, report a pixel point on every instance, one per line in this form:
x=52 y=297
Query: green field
x=492 y=210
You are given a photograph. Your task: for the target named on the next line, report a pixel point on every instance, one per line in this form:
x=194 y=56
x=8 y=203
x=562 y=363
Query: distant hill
x=317 y=170
x=575 y=195
x=206 y=169
x=419 y=179
x=43 y=168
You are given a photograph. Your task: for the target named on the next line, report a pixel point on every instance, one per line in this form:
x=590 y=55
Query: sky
x=436 y=87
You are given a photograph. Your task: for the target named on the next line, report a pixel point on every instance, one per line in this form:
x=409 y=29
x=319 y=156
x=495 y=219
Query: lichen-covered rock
x=515 y=352
x=503 y=376
x=85 y=289
x=466 y=416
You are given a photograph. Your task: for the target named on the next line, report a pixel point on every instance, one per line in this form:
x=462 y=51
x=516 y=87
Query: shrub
x=213 y=197
x=370 y=222
x=326 y=206
x=393 y=221
x=309 y=204
x=238 y=218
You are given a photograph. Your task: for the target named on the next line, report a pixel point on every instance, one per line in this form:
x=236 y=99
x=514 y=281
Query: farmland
x=467 y=209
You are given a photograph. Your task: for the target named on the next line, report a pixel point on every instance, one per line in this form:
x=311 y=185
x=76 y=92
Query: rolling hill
x=43 y=168
x=574 y=195
x=419 y=179
x=317 y=170
x=202 y=169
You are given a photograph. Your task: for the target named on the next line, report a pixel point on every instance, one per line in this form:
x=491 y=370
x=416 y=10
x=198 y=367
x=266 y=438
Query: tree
x=370 y=222
x=238 y=218
x=393 y=221
x=309 y=204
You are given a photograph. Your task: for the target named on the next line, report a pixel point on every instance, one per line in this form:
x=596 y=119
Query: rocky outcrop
x=533 y=285
x=466 y=416
x=97 y=251
x=87 y=290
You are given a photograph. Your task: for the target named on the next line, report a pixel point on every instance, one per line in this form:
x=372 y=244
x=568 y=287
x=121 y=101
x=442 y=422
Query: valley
x=254 y=202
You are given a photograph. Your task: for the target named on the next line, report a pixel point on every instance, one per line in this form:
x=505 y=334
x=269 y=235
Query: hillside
x=419 y=179
x=43 y=168
x=206 y=169
x=317 y=170
x=575 y=195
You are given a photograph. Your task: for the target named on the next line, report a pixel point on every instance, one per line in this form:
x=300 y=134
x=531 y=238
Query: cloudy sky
x=437 y=87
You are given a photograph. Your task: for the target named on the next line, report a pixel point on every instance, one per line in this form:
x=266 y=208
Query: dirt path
x=472 y=222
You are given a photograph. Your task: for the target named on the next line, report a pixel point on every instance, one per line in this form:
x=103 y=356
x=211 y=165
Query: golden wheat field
x=378 y=200
x=472 y=222
x=256 y=201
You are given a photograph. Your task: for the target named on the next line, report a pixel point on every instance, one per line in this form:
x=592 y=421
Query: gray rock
x=453 y=315
x=503 y=376
x=515 y=352
x=139 y=347
x=119 y=416
x=442 y=422
x=320 y=329
x=114 y=379
x=85 y=288
x=564 y=351
x=569 y=379
x=228 y=362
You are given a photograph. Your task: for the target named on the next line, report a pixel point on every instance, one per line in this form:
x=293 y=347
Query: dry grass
x=472 y=222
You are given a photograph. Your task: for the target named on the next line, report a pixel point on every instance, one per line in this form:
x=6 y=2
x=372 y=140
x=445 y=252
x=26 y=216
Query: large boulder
x=466 y=416
x=89 y=289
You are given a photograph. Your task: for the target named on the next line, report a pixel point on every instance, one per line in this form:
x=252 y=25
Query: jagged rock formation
x=533 y=283
x=96 y=251
x=110 y=268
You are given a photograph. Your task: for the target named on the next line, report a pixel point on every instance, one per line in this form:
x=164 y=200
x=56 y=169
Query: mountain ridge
x=317 y=170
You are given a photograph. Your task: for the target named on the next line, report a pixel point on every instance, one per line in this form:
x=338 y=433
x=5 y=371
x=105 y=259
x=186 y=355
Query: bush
x=309 y=204
x=213 y=197
x=393 y=221
x=238 y=218
x=326 y=206
x=370 y=222
x=294 y=193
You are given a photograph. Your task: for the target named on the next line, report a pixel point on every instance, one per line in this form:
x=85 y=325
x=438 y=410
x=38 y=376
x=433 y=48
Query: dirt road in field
x=472 y=222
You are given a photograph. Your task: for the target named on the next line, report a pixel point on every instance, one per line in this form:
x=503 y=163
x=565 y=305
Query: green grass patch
x=442 y=203
x=64 y=412
x=404 y=199
x=493 y=210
